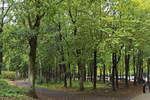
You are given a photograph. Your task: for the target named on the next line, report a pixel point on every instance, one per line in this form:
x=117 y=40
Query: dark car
x=146 y=87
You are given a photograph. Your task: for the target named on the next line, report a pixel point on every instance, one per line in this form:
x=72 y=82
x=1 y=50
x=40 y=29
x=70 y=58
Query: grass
x=102 y=89
x=10 y=91
x=75 y=86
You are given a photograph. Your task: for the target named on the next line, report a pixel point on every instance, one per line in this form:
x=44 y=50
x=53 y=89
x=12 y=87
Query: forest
x=76 y=46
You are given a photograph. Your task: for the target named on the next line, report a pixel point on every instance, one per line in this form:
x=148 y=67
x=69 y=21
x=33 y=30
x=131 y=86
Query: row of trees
x=67 y=39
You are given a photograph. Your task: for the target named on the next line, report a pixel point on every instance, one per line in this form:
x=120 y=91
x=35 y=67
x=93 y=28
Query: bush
x=7 y=90
x=8 y=75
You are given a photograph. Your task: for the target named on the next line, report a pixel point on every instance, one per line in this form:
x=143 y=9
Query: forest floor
x=132 y=93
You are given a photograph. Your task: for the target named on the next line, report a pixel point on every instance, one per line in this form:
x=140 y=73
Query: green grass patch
x=7 y=90
x=75 y=86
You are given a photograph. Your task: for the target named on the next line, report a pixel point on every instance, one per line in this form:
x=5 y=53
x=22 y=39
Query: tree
x=5 y=6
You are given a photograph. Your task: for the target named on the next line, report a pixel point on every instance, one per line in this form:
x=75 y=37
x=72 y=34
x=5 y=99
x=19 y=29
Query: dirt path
x=45 y=94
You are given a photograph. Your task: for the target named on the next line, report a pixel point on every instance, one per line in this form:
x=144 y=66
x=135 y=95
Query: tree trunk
x=104 y=72
x=70 y=76
x=1 y=60
x=84 y=73
x=91 y=72
x=1 y=47
x=148 y=68
x=139 y=66
x=32 y=62
x=4 y=13
x=117 y=83
x=81 y=76
x=95 y=69
x=113 y=71
x=65 y=75
x=134 y=69
x=63 y=66
x=56 y=70
x=60 y=73
x=127 y=58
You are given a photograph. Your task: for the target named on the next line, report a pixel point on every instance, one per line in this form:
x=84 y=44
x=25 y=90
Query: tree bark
x=32 y=62
x=1 y=52
x=104 y=72
x=127 y=58
x=148 y=68
x=81 y=76
x=139 y=66
x=4 y=12
x=65 y=75
x=91 y=72
x=70 y=76
x=134 y=69
x=95 y=69
x=1 y=60
x=113 y=71
x=116 y=70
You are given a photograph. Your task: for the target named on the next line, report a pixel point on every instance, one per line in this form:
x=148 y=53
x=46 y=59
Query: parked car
x=146 y=87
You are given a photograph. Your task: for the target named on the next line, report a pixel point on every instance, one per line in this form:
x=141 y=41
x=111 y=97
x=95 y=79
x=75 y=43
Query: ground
x=132 y=93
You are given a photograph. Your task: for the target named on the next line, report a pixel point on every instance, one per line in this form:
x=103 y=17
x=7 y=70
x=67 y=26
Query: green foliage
x=11 y=91
x=8 y=75
x=65 y=26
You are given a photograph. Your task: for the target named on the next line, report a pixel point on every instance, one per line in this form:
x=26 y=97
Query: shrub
x=7 y=90
x=8 y=75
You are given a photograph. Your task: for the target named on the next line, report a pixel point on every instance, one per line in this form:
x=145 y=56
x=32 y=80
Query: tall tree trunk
x=88 y=73
x=70 y=76
x=120 y=74
x=32 y=62
x=1 y=43
x=113 y=71
x=95 y=69
x=64 y=67
x=148 y=68
x=116 y=70
x=56 y=70
x=60 y=72
x=4 y=12
x=127 y=58
x=65 y=75
x=104 y=72
x=64 y=71
x=91 y=72
x=1 y=59
x=81 y=75
x=1 y=53
x=74 y=72
x=134 y=70
x=49 y=76
x=139 y=66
